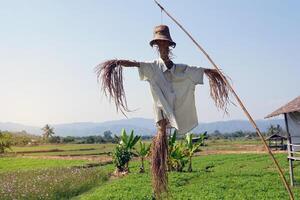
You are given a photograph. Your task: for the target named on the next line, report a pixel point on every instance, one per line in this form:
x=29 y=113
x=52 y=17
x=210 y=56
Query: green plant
x=176 y=156
x=5 y=141
x=121 y=157
x=128 y=142
x=123 y=151
x=192 y=147
x=142 y=152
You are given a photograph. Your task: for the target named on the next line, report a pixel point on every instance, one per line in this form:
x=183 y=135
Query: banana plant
x=193 y=147
x=177 y=159
x=143 y=152
x=128 y=142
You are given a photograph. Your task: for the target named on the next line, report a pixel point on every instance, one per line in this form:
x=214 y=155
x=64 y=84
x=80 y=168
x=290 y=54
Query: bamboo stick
x=240 y=103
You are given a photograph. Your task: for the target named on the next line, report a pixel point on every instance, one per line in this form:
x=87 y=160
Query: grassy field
x=64 y=149
x=217 y=174
x=21 y=164
x=33 y=178
x=246 y=176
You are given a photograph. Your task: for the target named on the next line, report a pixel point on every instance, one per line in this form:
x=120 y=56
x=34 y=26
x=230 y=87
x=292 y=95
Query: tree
x=274 y=129
x=54 y=139
x=5 y=141
x=108 y=136
x=142 y=152
x=48 y=132
x=192 y=147
x=68 y=139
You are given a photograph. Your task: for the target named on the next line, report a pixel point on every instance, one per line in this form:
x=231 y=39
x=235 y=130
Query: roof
x=292 y=106
x=275 y=136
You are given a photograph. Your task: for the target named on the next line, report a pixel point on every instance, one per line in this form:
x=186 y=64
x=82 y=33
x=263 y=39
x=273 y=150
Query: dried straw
x=110 y=75
x=159 y=153
x=219 y=89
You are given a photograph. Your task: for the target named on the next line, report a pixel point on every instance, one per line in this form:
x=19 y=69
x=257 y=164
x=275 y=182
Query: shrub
x=5 y=141
x=121 y=157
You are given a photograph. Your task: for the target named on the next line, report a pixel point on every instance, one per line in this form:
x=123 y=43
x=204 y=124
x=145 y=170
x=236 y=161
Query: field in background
x=212 y=146
x=224 y=169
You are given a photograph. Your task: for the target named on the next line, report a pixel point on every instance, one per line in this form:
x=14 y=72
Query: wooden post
x=290 y=154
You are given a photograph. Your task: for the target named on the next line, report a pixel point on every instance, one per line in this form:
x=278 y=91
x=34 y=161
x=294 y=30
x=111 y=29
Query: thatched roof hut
x=292 y=106
x=291 y=112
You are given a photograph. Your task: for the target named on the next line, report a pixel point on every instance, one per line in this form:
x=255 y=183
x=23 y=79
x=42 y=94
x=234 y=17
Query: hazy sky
x=48 y=51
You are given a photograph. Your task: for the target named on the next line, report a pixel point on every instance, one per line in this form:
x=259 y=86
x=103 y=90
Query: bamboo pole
x=239 y=101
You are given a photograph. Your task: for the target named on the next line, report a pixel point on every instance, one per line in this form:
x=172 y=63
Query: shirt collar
x=163 y=67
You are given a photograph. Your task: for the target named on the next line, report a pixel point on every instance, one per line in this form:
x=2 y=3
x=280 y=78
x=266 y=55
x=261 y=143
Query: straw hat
x=162 y=32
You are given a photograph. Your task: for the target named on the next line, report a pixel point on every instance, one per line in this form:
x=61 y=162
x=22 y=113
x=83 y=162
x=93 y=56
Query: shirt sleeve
x=145 y=71
x=195 y=74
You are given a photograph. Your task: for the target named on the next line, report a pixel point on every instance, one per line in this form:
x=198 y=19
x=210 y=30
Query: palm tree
x=128 y=142
x=48 y=132
x=192 y=147
x=142 y=152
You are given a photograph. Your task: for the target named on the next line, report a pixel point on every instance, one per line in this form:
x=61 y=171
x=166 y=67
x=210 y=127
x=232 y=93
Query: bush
x=121 y=157
x=5 y=141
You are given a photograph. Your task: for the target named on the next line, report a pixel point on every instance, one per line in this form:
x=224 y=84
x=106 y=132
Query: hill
x=141 y=126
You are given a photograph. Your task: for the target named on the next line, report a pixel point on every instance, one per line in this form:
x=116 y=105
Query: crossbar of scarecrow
x=238 y=100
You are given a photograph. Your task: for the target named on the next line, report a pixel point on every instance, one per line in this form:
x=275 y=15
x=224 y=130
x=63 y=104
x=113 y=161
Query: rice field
x=65 y=172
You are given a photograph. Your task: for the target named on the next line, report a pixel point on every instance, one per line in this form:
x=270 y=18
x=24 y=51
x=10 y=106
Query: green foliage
x=124 y=150
x=121 y=157
x=142 y=152
x=144 y=149
x=108 y=135
x=5 y=141
x=68 y=139
x=129 y=141
x=176 y=154
x=177 y=158
x=193 y=147
x=54 y=140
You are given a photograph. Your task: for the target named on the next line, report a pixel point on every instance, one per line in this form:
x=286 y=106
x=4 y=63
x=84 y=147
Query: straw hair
x=159 y=153
x=219 y=89
x=110 y=76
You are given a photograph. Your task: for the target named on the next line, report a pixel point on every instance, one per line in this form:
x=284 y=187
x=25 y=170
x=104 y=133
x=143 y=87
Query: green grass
x=244 y=176
x=49 y=184
x=67 y=149
x=18 y=163
x=33 y=178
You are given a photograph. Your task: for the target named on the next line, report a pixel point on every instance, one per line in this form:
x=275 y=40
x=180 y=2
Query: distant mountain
x=141 y=126
x=14 y=127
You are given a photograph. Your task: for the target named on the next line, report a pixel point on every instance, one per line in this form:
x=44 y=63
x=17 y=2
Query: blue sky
x=49 y=49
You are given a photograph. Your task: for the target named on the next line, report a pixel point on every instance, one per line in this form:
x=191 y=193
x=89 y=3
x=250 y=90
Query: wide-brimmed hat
x=162 y=32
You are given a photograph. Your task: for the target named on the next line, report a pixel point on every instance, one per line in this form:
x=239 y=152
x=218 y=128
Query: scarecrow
x=172 y=87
